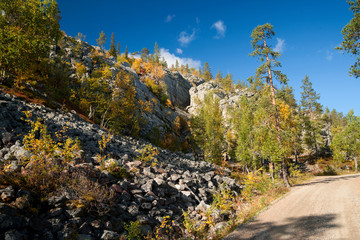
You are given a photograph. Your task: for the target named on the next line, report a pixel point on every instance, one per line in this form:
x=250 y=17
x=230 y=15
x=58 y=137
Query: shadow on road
x=294 y=228
x=328 y=180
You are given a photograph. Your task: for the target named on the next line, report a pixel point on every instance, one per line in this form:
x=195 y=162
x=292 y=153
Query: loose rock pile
x=178 y=182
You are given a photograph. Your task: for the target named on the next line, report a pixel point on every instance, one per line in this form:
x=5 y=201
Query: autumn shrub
x=89 y=194
x=147 y=155
x=166 y=230
x=45 y=170
x=133 y=230
x=255 y=183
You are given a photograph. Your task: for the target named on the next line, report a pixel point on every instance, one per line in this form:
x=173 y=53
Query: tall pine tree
x=267 y=70
x=112 y=50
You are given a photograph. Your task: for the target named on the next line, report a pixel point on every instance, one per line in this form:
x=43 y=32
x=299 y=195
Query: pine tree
x=126 y=55
x=118 y=49
x=309 y=98
x=227 y=83
x=351 y=40
x=176 y=65
x=101 y=40
x=145 y=54
x=311 y=111
x=112 y=50
x=206 y=72
x=156 y=53
x=218 y=77
x=268 y=57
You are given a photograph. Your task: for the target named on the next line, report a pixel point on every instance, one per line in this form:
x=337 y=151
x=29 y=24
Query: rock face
x=226 y=100
x=176 y=183
x=177 y=89
x=162 y=117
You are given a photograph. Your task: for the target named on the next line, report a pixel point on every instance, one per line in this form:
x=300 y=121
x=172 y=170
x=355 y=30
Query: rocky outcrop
x=226 y=100
x=176 y=183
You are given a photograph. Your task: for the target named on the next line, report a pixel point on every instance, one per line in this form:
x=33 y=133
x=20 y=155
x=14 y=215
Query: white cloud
x=220 y=29
x=179 y=51
x=280 y=45
x=170 y=58
x=169 y=18
x=329 y=55
x=186 y=38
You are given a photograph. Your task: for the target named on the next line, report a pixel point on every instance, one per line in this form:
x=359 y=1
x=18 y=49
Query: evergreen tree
x=145 y=54
x=268 y=57
x=118 y=49
x=112 y=50
x=351 y=40
x=309 y=98
x=311 y=110
x=156 y=53
x=227 y=83
x=218 y=77
x=206 y=72
x=126 y=55
x=101 y=40
x=176 y=65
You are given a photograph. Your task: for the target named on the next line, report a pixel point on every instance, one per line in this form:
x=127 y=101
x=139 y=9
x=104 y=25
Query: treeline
x=270 y=128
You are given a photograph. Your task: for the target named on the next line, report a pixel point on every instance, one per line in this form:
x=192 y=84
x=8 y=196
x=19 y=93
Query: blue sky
x=218 y=32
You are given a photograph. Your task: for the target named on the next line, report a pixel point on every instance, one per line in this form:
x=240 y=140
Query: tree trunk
x=277 y=123
x=356 y=163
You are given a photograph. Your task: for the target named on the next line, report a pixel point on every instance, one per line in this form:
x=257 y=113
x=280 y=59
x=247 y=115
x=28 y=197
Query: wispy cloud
x=280 y=45
x=171 y=58
x=329 y=55
x=179 y=51
x=169 y=18
x=185 y=38
x=220 y=28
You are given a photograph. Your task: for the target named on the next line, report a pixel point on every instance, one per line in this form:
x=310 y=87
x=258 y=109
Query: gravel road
x=325 y=208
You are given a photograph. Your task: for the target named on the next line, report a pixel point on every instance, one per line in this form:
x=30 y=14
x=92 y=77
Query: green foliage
x=345 y=143
x=208 y=129
x=133 y=230
x=206 y=72
x=147 y=154
x=27 y=31
x=112 y=50
x=351 y=38
x=101 y=40
x=44 y=169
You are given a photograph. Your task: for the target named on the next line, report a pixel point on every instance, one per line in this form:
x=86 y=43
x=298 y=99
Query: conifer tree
x=101 y=40
x=156 y=53
x=309 y=98
x=126 y=55
x=311 y=111
x=112 y=50
x=118 y=49
x=218 y=77
x=268 y=57
x=206 y=72
x=227 y=83
x=351 y=40
x=176 y=65
x=145 y=54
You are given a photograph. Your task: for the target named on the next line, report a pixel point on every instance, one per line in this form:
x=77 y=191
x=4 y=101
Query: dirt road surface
x=325 y=208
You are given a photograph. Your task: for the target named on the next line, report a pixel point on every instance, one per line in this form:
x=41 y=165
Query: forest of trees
x=270 y=128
